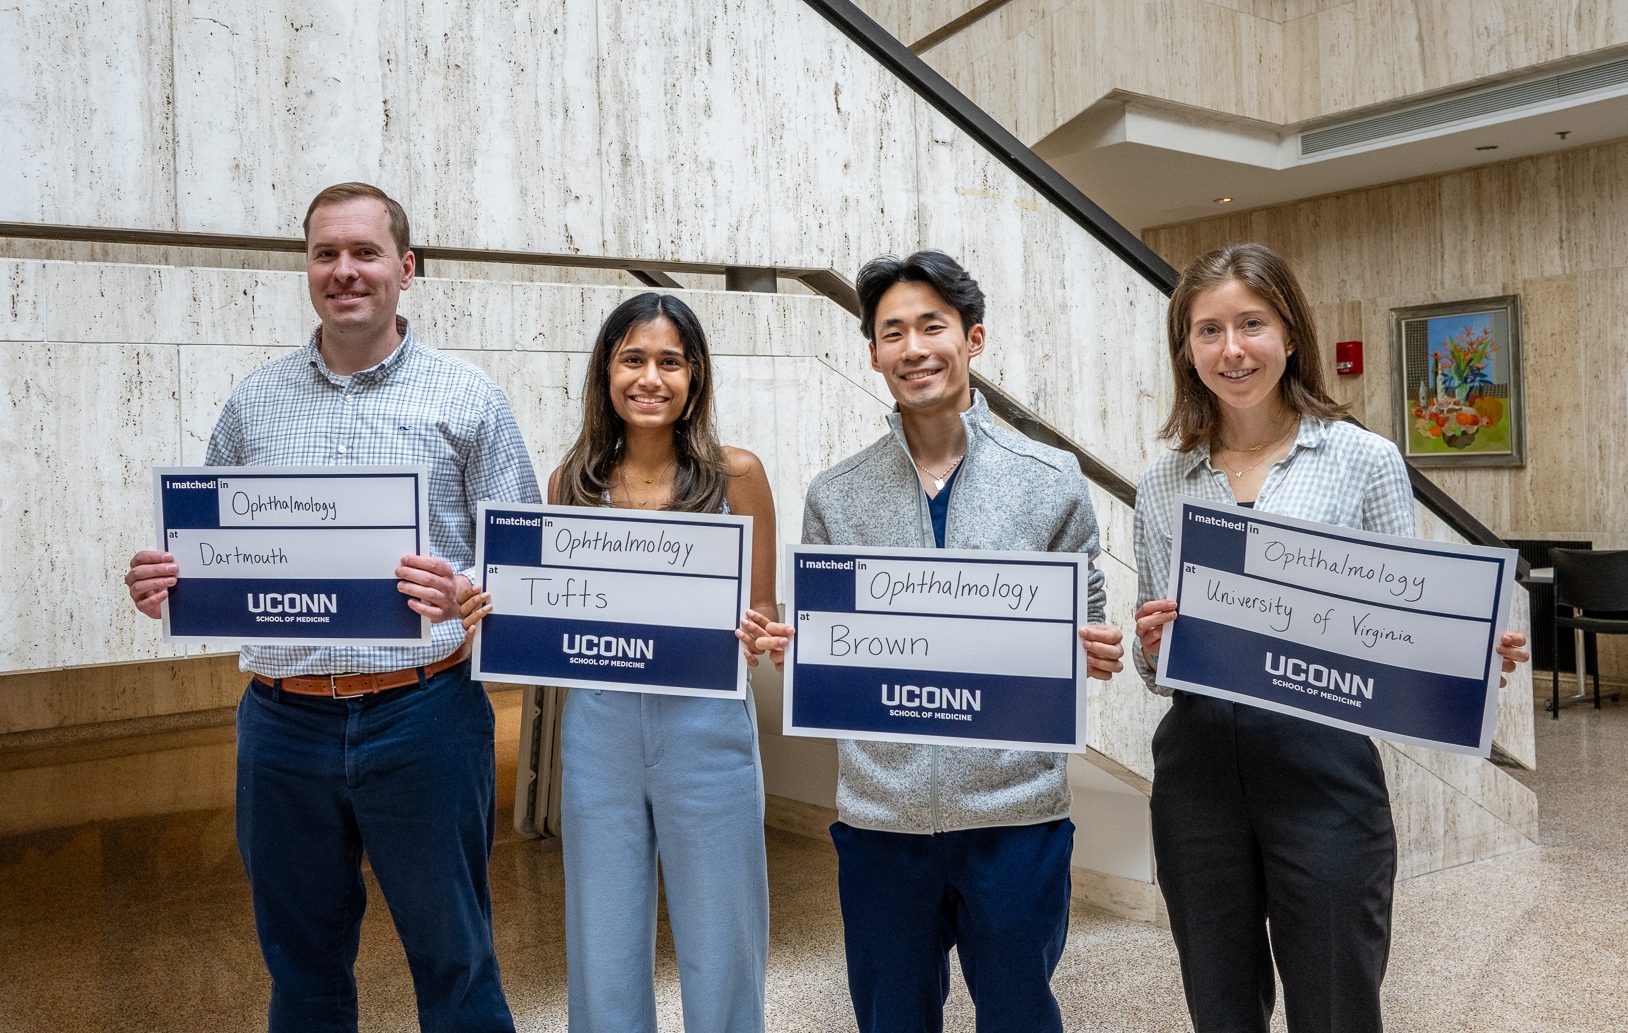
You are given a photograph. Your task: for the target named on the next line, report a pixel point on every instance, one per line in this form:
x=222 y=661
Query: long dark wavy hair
x=702 y=480
x=1195 y=418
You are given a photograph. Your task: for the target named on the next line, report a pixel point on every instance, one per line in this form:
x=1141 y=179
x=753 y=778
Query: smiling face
x=649 y=375
x=1239 y=346
x=922 y=350
x=354 y=271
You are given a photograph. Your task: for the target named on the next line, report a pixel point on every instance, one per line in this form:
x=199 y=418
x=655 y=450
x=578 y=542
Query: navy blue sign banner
x=948 y=646
x=291 y=555
x=1392 y=637
x=612 y=599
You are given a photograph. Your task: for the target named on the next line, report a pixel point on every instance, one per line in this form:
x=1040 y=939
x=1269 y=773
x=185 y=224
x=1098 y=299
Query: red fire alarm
x=1348 y=358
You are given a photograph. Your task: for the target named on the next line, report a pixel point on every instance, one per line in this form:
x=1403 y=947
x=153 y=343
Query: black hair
x=702 y=478
x=934 y=268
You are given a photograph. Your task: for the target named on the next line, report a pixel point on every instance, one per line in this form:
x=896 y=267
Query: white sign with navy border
x=964 y=647
x=1388 y=636
x=289 y=555
x=613 y=599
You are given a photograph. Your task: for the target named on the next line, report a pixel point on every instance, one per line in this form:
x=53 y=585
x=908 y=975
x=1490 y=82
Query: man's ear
x=409 y=264
x=975 y=341
x=874 y=365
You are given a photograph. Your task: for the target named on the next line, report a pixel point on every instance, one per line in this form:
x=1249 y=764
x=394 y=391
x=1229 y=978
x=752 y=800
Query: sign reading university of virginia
x=1388 y=636
x=291 y=555
x=611 y=599
x=952 y=646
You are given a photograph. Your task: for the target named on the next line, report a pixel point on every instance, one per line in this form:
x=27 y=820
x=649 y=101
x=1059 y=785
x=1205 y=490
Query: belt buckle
x=333 y=687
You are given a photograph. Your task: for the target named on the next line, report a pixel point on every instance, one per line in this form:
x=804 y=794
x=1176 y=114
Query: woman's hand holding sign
x=1151 y=619
x=758 y=635
x=473 y=605
x=1512 y=648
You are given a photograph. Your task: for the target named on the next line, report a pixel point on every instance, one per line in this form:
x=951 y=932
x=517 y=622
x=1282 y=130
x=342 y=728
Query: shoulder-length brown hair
x=702 y=480
x=1194 y=415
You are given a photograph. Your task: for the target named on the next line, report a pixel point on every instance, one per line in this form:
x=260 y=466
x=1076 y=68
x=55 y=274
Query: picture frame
x=1457 y=390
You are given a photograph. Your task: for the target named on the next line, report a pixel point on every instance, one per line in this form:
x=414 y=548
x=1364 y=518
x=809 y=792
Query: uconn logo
x=931 y=697
x=292 y=602
x=610 y=645
x=1318 y=676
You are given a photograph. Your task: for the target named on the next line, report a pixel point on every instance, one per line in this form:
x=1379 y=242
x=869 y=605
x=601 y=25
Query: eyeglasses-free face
x=921 y=348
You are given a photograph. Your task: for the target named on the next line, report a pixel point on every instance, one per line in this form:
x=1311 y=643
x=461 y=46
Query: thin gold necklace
x=940 y=478
x=1240 y=473
x=627 y=491
x=647 y=480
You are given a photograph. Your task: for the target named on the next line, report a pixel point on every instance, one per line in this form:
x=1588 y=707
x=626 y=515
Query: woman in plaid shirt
x=1272 y=835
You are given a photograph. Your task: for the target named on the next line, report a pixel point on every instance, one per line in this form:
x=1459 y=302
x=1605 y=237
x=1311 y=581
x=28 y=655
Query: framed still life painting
x=1457 y=386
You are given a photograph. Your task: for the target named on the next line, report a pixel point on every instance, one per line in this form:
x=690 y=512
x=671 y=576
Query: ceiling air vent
x=1465 y=107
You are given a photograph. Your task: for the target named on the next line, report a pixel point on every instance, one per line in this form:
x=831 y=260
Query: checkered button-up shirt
x=418 y=406
x=1336 y=473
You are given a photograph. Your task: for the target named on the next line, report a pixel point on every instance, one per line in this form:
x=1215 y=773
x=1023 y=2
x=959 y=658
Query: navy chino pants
x=407 y=777
x=999 y=896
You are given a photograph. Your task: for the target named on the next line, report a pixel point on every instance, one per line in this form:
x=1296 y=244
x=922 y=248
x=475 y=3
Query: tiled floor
x=145 y=925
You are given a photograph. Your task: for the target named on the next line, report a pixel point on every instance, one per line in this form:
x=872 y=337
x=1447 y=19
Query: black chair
x=1595 y=584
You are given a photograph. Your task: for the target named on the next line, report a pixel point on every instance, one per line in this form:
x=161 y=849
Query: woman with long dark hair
x=1272 y=835
x=648 y=775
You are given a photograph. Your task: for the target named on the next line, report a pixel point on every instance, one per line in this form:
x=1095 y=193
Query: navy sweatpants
x=1273 y=841
x=1000 y=896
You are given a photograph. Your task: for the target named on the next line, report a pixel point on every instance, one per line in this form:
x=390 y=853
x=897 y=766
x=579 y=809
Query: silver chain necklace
x=940 y=478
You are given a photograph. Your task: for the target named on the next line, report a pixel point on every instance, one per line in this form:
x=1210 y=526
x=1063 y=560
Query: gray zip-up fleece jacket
x=1011 y=493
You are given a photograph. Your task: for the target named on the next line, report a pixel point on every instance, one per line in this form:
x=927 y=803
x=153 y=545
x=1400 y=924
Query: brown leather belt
x=347 y=686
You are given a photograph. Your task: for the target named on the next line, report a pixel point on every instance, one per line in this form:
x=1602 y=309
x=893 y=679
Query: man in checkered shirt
x=382 y=750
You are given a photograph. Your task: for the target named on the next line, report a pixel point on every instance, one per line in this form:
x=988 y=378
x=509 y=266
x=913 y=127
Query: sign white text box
x=1040 y=649
x=657 y=546
x=965 y=588
x=1376 y=573
x=619 y=597
x=360 y=501
x=290 y=553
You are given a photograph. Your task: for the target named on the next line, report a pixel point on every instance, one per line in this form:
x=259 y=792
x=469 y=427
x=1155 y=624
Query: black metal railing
x=1068 y=199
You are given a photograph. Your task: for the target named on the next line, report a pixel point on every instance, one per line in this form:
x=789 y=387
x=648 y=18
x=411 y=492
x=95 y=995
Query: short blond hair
x=341 y=192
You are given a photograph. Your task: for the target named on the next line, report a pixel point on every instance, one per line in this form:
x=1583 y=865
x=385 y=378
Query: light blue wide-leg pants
x=679 y=779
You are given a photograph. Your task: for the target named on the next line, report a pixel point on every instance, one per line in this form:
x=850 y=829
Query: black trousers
x=1272 y=838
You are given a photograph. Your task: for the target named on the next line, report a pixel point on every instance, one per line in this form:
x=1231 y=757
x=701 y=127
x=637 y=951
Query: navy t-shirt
x=938 y=507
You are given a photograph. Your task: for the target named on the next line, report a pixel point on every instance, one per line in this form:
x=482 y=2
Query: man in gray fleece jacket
x=942 y=846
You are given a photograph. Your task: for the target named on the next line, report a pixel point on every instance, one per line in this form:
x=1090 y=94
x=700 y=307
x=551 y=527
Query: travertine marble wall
x=1552 y=229
x=1036 y=64
x=910 y=20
